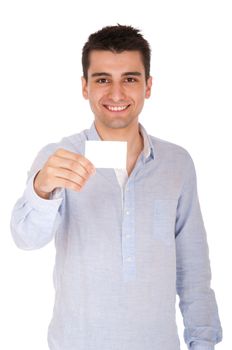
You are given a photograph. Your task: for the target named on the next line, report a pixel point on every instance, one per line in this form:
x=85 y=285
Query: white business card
x=107 y=154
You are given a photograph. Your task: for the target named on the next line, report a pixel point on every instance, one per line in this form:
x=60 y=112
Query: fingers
x=67 y=175
x=68 y=184
x=69 y=164
x=73 y=161
x=63 y=169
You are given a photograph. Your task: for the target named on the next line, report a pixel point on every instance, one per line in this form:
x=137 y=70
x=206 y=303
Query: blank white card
x=107 y=154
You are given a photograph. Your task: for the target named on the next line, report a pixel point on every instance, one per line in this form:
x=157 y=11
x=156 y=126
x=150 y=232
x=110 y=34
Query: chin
x=117 y=124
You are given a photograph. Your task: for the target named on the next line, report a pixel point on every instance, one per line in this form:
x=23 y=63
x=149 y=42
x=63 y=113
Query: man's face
x=116 y=87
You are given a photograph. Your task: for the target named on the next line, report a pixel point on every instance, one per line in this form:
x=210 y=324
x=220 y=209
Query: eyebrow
x=99 y=74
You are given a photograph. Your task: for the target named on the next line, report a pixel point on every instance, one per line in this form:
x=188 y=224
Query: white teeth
x=115 y=109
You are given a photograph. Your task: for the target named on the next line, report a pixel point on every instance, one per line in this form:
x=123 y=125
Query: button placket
x=128 y=234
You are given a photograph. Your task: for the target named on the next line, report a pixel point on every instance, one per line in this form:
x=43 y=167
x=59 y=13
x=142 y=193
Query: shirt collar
x=148 y=150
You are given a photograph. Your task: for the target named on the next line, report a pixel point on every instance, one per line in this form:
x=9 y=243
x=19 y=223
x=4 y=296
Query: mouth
x=116 y=108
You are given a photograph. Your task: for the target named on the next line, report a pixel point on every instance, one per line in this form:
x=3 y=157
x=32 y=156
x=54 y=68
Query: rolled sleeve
x=34 y=220
x=197 y=299
x=200 y=346
x=39 y=203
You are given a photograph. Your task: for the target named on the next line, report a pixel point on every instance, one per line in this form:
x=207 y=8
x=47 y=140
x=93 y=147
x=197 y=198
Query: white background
x=40 y=92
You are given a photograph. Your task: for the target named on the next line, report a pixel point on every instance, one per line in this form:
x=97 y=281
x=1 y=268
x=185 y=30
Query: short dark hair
x=117 y=39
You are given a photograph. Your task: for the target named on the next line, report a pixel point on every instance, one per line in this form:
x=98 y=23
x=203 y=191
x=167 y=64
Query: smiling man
x=116 y=87
x=127 y=241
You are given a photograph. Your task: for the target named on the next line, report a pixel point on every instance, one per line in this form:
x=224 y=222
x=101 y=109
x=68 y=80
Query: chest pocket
x=164 y=219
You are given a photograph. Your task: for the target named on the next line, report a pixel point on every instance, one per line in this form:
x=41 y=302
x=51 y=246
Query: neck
x=131 y=134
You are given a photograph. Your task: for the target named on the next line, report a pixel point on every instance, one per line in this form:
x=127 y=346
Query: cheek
x=139 y=98
x=94 y=100
x=138 y=94
x=96 y=95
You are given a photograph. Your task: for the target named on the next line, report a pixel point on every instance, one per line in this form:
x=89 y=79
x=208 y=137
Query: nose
x=116 y=92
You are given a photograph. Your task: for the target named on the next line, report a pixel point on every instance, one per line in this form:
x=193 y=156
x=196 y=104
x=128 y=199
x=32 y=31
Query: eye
x=130 y=80
x=102 y=81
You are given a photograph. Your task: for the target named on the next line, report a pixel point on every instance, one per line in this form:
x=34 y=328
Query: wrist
x=44 y=195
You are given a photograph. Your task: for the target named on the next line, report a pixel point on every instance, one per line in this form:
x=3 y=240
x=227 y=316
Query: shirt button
x=127 y=212
x=129 y=259
x=127 y=236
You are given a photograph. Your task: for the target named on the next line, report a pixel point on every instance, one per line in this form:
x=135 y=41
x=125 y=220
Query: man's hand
x=63 y=169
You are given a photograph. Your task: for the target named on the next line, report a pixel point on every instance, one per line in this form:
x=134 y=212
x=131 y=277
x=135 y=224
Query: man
x=126 y=241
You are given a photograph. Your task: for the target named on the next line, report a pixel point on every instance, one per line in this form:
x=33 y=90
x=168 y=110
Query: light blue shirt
x=120 y=261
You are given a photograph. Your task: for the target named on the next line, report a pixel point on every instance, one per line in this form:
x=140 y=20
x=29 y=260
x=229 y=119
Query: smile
x=116 y=108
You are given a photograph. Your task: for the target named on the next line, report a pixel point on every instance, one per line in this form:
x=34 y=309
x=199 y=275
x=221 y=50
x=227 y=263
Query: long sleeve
x=197 y=300
x=34 y=220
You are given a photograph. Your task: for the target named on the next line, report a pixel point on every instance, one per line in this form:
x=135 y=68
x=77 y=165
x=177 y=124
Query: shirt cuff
x=39 y=203
x=198 y=346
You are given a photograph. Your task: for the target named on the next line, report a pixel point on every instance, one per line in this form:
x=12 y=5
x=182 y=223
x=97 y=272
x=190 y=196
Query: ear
x=84 y=88
x=148 y=87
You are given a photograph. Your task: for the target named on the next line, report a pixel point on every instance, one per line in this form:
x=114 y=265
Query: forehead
x=110 y=62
